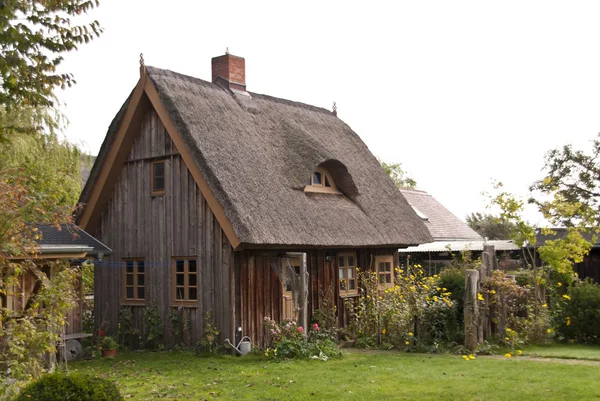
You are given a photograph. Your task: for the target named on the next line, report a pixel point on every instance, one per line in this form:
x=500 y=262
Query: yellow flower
x=383 y=332
x=559 y=284
x=471 y=356
x=568 y=321
x=368 y=297
x=410 y=334
x=544 y=305
x=549 y=331
x=406 y=343
x=507 y=339
x=466 y=358
x=520 y=352
x=565 y=296
x=492 y=292
x=479 y=296
x=508 y=355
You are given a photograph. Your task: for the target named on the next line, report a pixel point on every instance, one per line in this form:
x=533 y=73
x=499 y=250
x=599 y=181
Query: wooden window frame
x=154 y=192
x=186 y=301
x=347 y=292
x=321 y=188
x=135 y=300
x=385 y=259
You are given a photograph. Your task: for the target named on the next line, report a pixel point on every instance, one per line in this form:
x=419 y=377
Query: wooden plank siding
x=259 y=291
x=159 y=228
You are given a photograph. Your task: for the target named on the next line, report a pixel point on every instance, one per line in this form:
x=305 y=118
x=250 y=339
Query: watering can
x=244 y=346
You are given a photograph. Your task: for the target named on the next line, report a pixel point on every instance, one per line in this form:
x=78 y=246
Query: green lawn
x=360 y=376
x=567 y=351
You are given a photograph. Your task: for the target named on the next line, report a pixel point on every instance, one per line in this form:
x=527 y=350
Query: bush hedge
x=75 y=386
x=580 y=317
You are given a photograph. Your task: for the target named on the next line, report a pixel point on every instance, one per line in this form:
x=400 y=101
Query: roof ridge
x=254 y=94
x=414 y=190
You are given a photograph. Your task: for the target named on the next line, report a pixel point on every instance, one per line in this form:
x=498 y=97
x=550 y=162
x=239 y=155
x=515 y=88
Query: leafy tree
x=569 y=194
x=34 y=35
x=556 y=257
x=399 y=177
x=489 y=226
x=39 y=178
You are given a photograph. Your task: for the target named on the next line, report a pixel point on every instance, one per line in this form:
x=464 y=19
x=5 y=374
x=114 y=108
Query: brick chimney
x=229 y=72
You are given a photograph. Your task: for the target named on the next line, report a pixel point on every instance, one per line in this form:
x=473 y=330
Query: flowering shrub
x=291 y=341
x=391 y=316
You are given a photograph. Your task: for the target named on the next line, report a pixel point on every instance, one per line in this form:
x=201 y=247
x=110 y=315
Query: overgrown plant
x=416 y=310
x=27 y=335
x=210 y=334
x=127 y=333
x=326 y=316
x=180 y=326
x=153 y=328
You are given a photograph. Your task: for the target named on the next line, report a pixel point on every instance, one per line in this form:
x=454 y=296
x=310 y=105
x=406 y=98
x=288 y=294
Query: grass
x=566 y=351
x=359 y=376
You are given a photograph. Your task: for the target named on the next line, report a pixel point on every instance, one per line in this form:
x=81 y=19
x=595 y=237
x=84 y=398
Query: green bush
x=76 y=386
x=579 y=319
x=453 y=280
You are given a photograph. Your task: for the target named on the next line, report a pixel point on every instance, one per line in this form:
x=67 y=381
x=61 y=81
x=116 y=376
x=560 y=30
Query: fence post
x=470 y=308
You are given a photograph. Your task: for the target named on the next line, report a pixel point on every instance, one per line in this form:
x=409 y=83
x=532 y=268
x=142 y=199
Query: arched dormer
x=333 y=177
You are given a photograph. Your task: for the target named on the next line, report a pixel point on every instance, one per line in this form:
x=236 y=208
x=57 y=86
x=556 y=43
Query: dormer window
x=321 y=181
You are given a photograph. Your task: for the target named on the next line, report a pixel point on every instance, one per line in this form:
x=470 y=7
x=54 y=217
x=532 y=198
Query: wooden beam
x=101 y=189
x=190 y=162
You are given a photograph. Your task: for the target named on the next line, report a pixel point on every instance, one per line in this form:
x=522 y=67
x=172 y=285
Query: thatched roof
x=257 y=153
x=441 y=223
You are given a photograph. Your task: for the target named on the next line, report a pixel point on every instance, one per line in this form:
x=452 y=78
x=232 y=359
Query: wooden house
x=217 y=199
x=65 y=242
x=450 y=236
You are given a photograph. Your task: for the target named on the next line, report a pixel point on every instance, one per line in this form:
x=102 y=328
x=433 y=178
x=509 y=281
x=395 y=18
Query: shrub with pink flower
x=290 y=340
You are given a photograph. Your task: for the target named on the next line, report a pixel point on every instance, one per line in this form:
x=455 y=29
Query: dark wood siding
x=259 y=293
x=159 y=228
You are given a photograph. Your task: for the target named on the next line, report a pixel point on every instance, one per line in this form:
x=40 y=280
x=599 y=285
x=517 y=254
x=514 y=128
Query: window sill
x=185 y=305
x=133 y=302
x=322 y=190
x=349 y=296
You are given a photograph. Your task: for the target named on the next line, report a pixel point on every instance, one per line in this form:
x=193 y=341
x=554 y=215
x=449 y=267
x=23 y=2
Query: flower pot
x=109 y=353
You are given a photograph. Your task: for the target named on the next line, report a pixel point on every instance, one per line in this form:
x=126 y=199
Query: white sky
x=459 y=92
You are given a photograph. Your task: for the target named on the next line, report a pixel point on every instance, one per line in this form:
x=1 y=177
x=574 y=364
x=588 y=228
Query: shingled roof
x=257 y=152
x=441 y=223
x=54 y=237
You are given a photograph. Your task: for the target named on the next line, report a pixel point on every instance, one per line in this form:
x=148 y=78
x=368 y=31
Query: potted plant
x=109 y=346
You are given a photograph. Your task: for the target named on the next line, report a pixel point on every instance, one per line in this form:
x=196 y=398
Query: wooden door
x=288 y=312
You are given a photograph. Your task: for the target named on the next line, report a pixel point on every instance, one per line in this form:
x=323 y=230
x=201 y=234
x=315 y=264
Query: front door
x=288 y=279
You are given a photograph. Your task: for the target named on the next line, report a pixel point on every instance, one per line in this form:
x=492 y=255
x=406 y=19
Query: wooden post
x=470 y=308
x=488 y=265
x=303 y=291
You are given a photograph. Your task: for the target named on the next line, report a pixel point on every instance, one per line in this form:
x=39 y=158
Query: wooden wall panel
x=159 y=228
